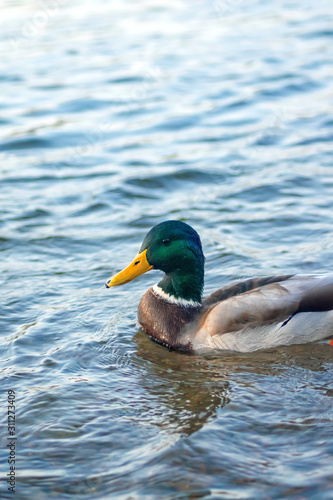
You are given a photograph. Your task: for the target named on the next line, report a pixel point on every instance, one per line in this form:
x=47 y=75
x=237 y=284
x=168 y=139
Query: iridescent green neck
x=184 y=285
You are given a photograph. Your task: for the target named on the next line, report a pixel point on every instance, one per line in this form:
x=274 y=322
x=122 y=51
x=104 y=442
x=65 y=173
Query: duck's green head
x=175 y=248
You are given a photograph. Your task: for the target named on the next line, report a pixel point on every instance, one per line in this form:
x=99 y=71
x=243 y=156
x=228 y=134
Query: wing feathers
x=273 y=301
x=241 y=287
x=318 y=299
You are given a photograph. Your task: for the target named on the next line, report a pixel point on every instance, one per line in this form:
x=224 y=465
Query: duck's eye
x=166 y=242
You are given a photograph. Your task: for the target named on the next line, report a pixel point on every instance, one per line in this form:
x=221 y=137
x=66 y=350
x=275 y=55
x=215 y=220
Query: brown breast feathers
x=166 y=321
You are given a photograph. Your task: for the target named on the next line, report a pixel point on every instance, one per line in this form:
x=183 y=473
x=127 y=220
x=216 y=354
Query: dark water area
x=115 y=116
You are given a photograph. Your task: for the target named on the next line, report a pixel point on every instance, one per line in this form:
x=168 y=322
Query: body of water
x=115 y=116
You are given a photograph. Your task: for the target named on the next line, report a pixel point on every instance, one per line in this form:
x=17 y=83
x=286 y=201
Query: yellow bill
x=140 y=265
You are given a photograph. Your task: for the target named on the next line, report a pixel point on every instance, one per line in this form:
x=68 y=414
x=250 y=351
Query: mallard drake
x=244 y=316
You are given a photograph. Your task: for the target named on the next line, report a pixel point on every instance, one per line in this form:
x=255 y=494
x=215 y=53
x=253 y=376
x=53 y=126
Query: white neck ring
x=173 y=300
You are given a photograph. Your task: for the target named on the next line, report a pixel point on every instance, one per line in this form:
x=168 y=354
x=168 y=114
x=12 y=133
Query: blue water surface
x=115 y=116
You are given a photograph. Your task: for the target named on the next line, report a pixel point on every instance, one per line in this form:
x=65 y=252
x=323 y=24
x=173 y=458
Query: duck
x=243 y=316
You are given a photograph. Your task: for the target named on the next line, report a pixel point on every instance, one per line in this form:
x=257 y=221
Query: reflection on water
x=188 y=391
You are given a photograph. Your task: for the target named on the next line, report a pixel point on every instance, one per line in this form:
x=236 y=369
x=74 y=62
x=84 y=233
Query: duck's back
x=280 y=311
